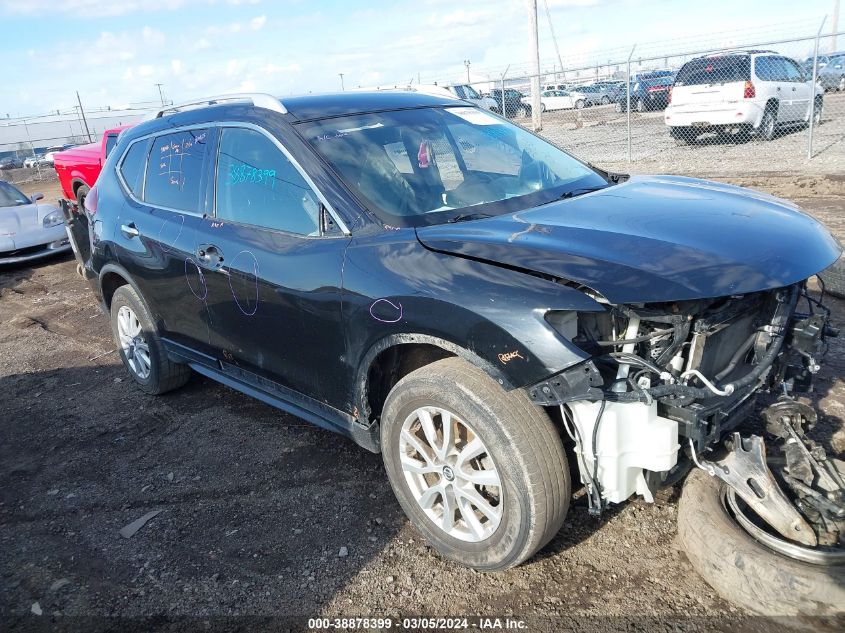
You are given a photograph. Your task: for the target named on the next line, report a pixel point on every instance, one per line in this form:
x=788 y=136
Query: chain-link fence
x=769 y=106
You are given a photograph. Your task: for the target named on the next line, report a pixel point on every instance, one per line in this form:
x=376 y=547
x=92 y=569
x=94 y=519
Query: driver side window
x=256 y=184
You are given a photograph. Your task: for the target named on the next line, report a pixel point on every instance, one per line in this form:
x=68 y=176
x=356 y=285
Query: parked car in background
x=79 y=167
x=831 y=76
x=51 y=152
x=10 y=162
x=560 y=100
x=515 y=105
x=468 y=93
x=595 y=94
x=29 y=230
x=556 y=87
x=646 y=94
x=741 y=93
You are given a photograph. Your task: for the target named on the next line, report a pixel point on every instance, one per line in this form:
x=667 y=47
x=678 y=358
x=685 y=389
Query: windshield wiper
x=580 y=192
x=469 y=216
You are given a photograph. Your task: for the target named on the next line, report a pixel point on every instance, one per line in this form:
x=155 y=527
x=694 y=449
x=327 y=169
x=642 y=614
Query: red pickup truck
x=78 y=167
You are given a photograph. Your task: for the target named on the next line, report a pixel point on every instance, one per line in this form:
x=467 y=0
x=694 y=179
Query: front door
x=273 y=278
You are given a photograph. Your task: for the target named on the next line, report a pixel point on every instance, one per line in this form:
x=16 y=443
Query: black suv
x=447 y=288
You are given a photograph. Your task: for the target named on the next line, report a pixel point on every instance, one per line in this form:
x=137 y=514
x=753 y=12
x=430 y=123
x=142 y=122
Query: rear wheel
x=767 y=125
x=841 y=86
x=640 y=105
x=480 y=472
x=605 y=100
x=81 y=194
x=817 y=111
x=140 y=347
x=579 y=104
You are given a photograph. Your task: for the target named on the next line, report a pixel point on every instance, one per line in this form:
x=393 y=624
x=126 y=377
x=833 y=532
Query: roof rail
x=257 y=99
x=734 y=51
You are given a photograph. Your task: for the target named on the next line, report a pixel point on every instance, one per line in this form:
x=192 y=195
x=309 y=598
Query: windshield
x=11 y=197
x=421 y=166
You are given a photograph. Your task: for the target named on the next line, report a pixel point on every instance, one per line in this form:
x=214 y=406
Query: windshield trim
x=12 y=190
x=496 y=208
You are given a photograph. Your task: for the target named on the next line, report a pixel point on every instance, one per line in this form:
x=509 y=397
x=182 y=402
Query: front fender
x=493 y=316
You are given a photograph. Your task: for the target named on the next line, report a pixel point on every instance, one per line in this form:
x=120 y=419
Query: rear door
x=801 y=90
x=709 y=83
x=273 y=275
x=166 y=177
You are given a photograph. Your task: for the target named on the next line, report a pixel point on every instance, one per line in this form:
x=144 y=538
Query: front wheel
x=479 y=471
x=640 y=105
x=605 y=100
x=579 y=104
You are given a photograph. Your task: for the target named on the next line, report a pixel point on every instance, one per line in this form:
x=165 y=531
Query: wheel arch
x=394 y=356
x=112 y=276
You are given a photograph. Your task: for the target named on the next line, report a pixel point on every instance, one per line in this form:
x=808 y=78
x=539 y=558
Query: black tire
x=742 y=570
x=619 y=107
x=605 y=100
x=164 y=375
x=841 y=85
x=579 y=104
x=681 y=135
x=768 y=124
x=81 y=194
x=543 y=107
x=818 y=109
x=522 y=442
x=834 y=279
x=640 y=106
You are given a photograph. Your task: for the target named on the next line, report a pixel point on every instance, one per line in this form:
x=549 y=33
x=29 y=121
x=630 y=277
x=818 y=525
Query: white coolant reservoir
x=631 y=437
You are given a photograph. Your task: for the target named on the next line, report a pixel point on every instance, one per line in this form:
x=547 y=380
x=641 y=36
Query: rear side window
x=258 y=185
x=714 y=70
x=132 y=167
x=174 y=171
x=770 y=69
x=111 y=141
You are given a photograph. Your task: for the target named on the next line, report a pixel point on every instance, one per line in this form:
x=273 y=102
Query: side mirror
x=36 y=197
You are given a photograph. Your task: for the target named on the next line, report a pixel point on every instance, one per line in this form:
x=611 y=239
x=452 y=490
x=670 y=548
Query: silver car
x=29 y=230
x=831 y=76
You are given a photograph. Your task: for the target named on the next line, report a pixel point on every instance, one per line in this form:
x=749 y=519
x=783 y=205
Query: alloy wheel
x=451 y=474
x=132 y=342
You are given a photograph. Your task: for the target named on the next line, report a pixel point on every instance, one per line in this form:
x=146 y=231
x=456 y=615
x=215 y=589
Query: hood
x=19 y=224
x=652 y=239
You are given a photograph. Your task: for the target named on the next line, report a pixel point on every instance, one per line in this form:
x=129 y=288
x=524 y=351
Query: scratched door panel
x=273 y=282
x=274 y=304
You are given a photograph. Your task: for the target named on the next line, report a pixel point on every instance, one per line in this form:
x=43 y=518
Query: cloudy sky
x=115 y=51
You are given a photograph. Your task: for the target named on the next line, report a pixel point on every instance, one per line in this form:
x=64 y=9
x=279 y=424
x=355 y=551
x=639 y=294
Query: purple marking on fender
x=232 y=267
x=396 y=306
x=202 y=280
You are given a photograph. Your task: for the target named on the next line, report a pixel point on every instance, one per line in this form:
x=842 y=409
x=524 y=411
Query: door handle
x=210 y=256
x=129 y=230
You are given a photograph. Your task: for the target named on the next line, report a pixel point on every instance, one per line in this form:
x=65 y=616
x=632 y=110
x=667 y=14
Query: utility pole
x=84 y=120
x=160 y=94
x=32 y=149
x=531 y=6
x=342 y=87
x=554 y=37
x=835 y=26
x=467 y=64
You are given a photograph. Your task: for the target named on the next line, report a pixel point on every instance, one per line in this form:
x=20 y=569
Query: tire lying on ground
x=744 y=571
x=834 y=278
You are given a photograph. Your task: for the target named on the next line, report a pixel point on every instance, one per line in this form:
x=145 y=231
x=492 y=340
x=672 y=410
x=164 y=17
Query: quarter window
x=258 y=185
x=175 y=168
x=132 y=167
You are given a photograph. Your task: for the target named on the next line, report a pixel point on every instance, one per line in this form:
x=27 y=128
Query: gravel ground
x=262 y=514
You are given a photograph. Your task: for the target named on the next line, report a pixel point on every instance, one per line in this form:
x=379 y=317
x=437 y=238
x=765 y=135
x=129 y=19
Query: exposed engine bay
x=666 y=383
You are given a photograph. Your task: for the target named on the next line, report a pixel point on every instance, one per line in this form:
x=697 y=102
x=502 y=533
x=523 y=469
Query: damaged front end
x=667 y=382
